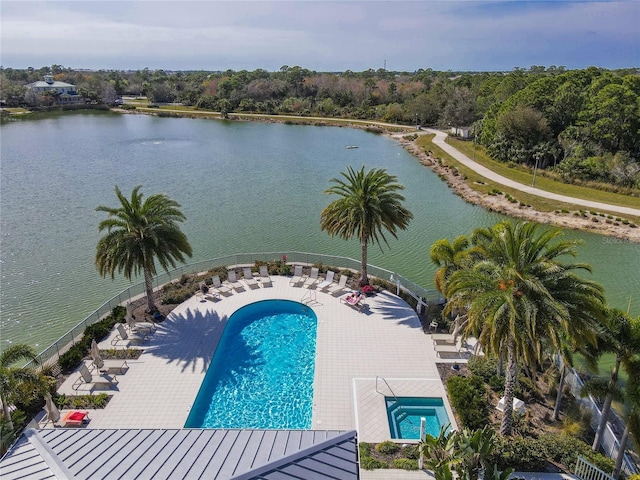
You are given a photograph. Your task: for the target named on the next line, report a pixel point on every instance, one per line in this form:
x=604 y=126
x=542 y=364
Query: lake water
x=244 y=187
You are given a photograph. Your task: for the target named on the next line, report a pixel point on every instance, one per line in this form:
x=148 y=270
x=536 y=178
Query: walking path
x=439 y=140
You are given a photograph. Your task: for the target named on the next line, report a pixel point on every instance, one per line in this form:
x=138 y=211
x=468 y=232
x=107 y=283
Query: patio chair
x=265 y=279
x=327 y=281
x=96 y=381
x=312 y=279
x=248 y=278
x=123 y=336
x=233 y=282
x=297 y=278
x=75 y=418
x=217 y=285
x=354 y=300
x=339 y=287
x=137 y=328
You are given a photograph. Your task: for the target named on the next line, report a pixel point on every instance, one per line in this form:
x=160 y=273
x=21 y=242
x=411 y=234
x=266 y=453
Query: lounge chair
x=327 y=281
x=96 y=381
x=140 y=328
x=123 y=336
x=312 y=279
x=217 y=285
x=248 y=278
x=443 y=339
x=339 y=287
x=75 y=418
x=354 y=300
x=232 y=281
x=297 y=278
x=265 y=279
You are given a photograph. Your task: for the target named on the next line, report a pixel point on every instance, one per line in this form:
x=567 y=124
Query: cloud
x=343 y=35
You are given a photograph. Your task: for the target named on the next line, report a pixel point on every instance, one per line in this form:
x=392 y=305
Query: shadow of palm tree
x=394 y=308
x=189 y=338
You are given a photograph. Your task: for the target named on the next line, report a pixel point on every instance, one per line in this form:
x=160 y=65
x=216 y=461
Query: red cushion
x=76 y=416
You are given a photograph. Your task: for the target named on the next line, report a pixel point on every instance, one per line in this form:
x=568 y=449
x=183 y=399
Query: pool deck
x=361 y=356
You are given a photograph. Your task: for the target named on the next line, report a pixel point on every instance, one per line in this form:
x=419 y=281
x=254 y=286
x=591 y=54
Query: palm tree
x=138 y=233
x=632 y=424
x=11 y=376
x=369 y=205
x=622 y=338
x=520 y=297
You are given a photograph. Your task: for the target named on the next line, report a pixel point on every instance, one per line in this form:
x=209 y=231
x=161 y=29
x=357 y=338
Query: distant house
x=462 y=132
x=65 y=92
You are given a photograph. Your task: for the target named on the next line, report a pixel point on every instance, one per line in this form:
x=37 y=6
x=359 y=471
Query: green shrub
x=365 y=449
x=127 y=106
x=483 y=367
x=405 y=464
x=70 y=359
x=469 y=398
x=521 y=454
x=97 y=331
x=387 y=448
x=370 y=463
x=565 y=449
x=410 y=451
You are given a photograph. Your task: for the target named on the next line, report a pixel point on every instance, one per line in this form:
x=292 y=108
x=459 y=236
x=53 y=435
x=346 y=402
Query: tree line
x=582 y=124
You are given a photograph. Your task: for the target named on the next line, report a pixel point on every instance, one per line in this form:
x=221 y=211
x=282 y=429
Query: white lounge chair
x=327 y=281
x=248 y=278
x=312 y=279
x=297 y=278
x=217 y=285
x=265 y=279
x=96 y=381
x=340 y=286
x=232 y=281
x=123 y=336
x=144 y=328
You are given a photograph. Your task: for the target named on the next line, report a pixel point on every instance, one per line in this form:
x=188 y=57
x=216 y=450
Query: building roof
x=56 y=84
x=182 y=454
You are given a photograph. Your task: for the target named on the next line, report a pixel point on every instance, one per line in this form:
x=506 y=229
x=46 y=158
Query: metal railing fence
x=610 y=443
x=50 y=355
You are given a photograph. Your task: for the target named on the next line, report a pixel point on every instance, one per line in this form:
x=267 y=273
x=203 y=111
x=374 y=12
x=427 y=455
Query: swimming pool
x=404 y=415
x=261 y=375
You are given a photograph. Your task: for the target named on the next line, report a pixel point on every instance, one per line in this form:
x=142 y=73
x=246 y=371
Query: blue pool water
x=404 y=415
x=261 y=375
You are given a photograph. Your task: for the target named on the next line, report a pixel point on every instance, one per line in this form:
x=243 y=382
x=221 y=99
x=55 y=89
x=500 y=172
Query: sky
x=355 y=35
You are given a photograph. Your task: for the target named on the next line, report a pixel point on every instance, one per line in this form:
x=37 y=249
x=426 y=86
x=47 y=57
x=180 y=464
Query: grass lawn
x=482 y=185
x=525 y=177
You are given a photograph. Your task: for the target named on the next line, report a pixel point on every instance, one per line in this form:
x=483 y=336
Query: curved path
x=439 y=140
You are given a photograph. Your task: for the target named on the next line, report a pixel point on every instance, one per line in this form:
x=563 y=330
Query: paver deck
x=353 y=347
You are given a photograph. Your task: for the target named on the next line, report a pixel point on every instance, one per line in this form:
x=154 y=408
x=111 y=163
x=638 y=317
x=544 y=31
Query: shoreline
x=500 y=204
x=495 y=203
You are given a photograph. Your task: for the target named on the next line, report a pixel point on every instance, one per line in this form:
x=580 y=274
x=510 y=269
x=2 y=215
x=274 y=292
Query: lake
x=244 y=187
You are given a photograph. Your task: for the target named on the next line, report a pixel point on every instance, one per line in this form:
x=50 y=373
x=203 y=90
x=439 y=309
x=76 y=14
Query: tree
x=520 y=297
x=632 y=424
x=622 y=338
x=138 y=233
x=11 y=377
x=369 y=205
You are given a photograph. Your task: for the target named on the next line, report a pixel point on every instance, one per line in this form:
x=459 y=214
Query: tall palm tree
x=632 y=424
x=369 y=205
x=622 y=338
x=138 y=233
x=520 y=297
x=12 y=376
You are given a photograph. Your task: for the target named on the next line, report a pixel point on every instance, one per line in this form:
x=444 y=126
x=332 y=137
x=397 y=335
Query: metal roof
x=63 y=453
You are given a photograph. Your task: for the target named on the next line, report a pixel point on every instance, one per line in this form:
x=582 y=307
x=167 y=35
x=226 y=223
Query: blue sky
x=319 y=35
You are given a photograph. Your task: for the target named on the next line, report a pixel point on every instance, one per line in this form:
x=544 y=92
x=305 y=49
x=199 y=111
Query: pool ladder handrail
x=392 y=393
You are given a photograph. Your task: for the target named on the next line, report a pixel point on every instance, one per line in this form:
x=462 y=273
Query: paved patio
x=384 y=340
